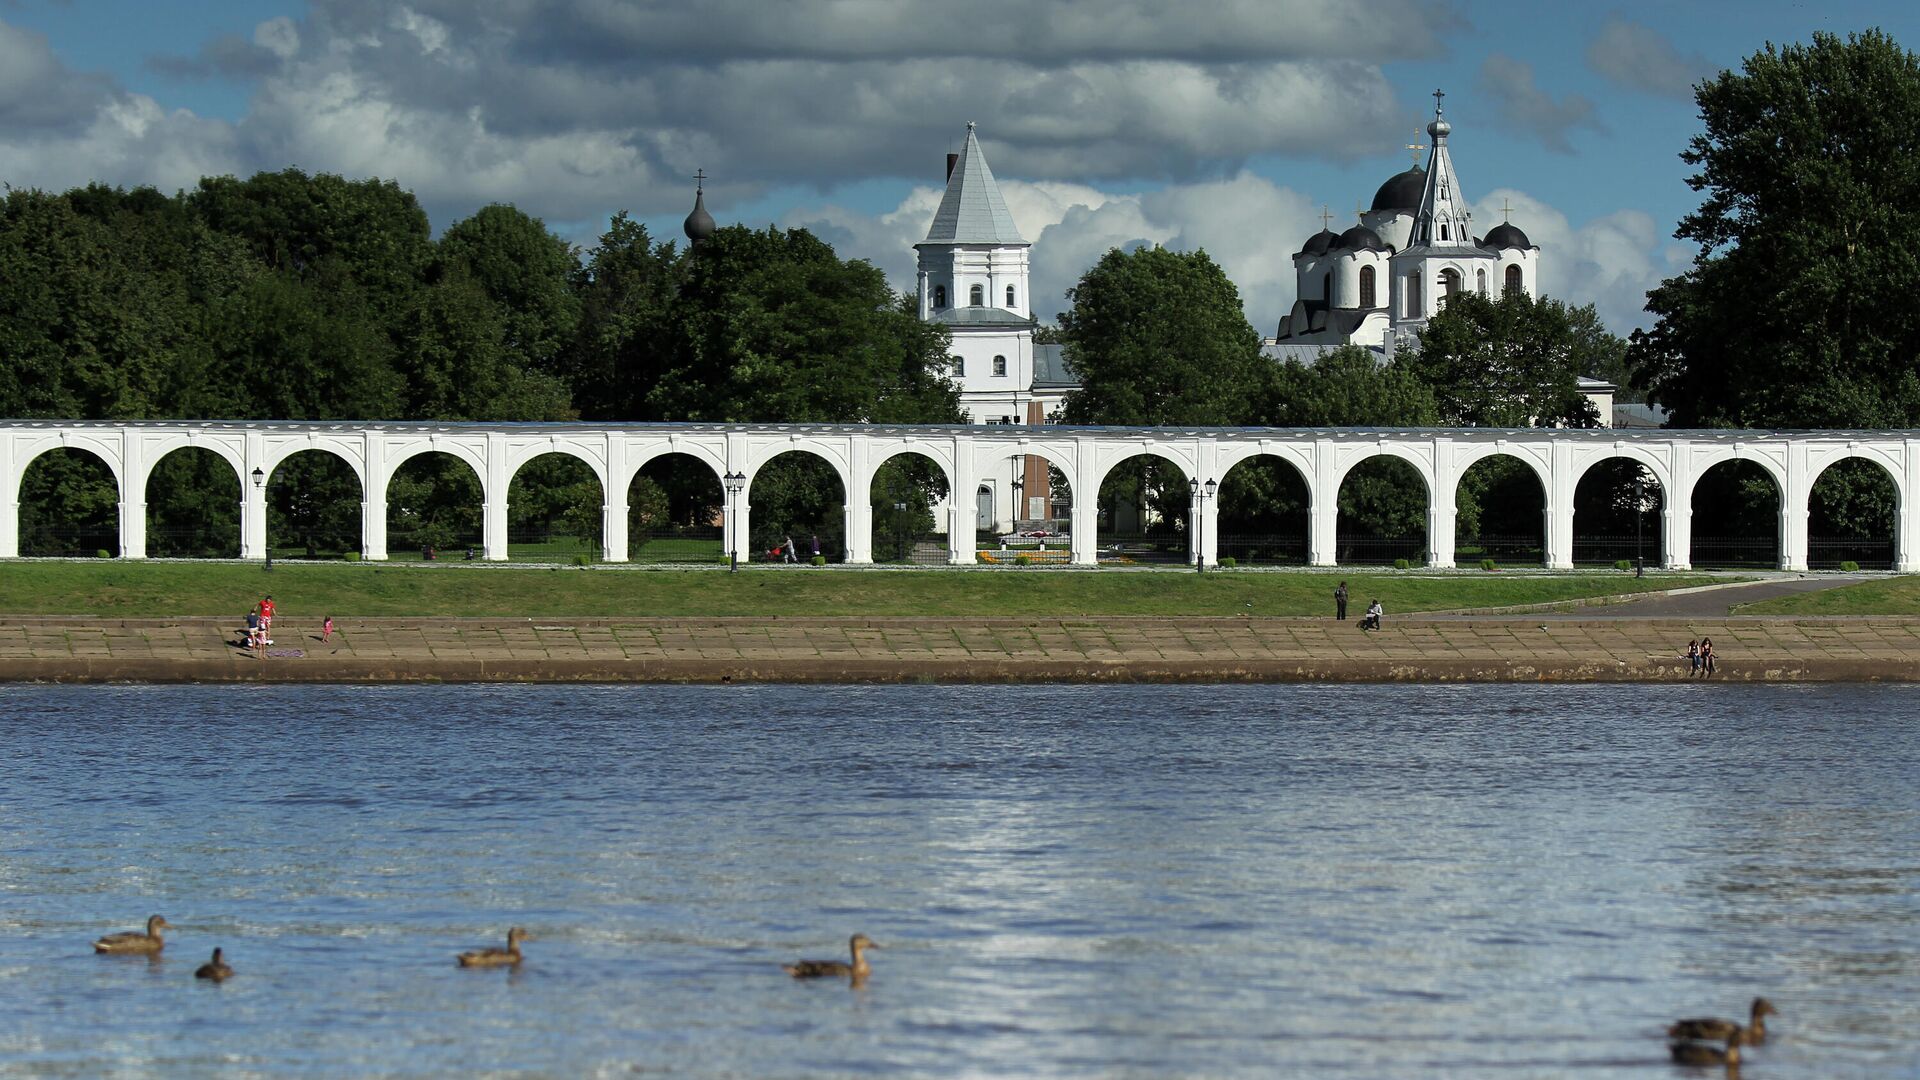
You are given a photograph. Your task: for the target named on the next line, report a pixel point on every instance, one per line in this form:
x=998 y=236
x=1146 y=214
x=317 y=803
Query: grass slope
x=312 y=590
x=1886 y=596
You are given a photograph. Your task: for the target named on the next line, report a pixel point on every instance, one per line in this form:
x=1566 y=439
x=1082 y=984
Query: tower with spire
x=699 y=224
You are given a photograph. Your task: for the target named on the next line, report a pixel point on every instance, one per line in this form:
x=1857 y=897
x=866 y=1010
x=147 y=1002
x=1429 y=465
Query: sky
x=1228 y=125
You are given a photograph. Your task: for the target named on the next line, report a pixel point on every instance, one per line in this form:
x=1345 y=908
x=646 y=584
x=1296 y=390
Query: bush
x=1402 y=564
x=818 y=560
x=103 y=553
x=1023 y=560
x=351 y=556
x=1849 y=566
x=583 y=560
x=1489 y=564
x=1623 y=564
x=1229 y=562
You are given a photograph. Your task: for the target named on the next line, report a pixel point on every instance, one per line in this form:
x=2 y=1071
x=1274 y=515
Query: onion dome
x=1506 y=235
x=699 y=224
x=1319 y=243
x=1361 y=238
x=1402 y=192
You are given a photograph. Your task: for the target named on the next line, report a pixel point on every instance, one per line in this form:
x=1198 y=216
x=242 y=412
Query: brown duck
x=133 y=941
x=1694 y=1053
x=506 y=957
x=215 y=969
x=816 y=969
x=1715 y=1029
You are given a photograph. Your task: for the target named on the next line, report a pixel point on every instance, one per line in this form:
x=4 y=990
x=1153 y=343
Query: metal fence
x=1513 y=549
x=1741 y=552
x=915 y=549
x=1148 y=549
x=1269 y=549
x=1871 y=553
x=1355 y=549
x=1606 y=550
x=687 y=544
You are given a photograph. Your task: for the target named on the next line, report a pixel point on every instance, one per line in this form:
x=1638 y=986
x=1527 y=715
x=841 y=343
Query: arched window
x=977 y=295
x=939 y=296
x=1443 y=229
x=1481 y=279
x=1414 y=310
x=1449 y=283
x=1366 y=286
x=1000 y=366
x=1010 y=303
x=1326 y=289
x=1513 y=278
x=959 y=367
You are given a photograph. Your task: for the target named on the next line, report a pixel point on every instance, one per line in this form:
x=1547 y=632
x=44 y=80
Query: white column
x=1676 y=523
x=373 y=499
x=10 y=501
x=613 y=510
x=493 y=508
x=253 y=500
x=133 y=496
x=1442 y=505
x=859 y=504
x=1906 y=555
x=961 y=504
x=1794 y=493
x=1209 y=531
x=742 y=539
x=1559 y=510
x=1086 y=505
x=1323 y=507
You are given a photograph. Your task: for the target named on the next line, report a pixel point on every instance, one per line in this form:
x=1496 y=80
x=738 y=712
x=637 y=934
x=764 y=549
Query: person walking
x=1706 y=655
x=1340 y=602
x=1693 y=659
x=788 y=549
x=816 y=545
x=266 y=614
x=326 y=630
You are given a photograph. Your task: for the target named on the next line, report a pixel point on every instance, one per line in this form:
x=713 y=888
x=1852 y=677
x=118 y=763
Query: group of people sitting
x=259 y=629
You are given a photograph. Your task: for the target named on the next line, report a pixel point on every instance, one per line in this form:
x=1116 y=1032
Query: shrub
x=818 y=560
x=1849 y=566
x=1489 y=564
x=726 y=560
x=1623 y=564
x=1023 y=560
x=1402 y=564
x=351 y=556
x=1229 y=562
x=583 y=560
x=103 y=553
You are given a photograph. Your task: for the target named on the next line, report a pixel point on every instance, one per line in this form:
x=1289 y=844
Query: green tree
x=1159 y=337
x=624 y=286
x=527 y=272
x=1513 y=361
x=1797 y=310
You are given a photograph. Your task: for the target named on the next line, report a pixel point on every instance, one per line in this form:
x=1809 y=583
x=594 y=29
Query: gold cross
x=1506 y=212
x=1416 y=146
x=1326 y=216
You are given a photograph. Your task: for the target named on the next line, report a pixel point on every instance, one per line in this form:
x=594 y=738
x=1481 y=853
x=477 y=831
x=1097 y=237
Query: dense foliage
x=290 y=296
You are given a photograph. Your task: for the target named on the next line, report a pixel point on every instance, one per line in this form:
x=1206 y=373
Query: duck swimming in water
x=816 y=969
x=215 y=969
x=506 y=957
x=133 y=941
x=1693 y=1053
x=1715 y=1028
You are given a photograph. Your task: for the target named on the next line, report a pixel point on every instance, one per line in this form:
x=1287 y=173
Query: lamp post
x=260 y=484
x=736 y=483
x=1201 y=493
x=1639 y=518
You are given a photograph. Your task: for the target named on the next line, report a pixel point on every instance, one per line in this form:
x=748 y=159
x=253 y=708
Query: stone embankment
x=1111 y=649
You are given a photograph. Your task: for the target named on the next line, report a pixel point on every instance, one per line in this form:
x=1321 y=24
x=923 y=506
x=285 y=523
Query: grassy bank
x=310 y=591
x=1885 y=596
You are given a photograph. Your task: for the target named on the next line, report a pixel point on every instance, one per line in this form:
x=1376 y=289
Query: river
x=1065 y=881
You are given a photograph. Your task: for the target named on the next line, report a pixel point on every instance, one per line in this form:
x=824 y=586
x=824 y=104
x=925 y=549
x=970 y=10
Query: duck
x=1694 y=1053
x=506 y=957
x=133 y=941
x=215 y=969
x=1711 y=1027
x=858 y=944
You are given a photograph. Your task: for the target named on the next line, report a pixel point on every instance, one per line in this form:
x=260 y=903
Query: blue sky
x=1226 y=125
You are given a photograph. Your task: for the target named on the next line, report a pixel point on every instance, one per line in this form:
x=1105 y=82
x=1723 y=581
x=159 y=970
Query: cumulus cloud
x=38 y=93
x=1609 y=262
x=1641 y=58
x=1523 y=105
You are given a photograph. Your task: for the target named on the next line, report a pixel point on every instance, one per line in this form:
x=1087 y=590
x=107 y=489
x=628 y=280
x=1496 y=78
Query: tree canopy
x=1798 y=308
x=1513 y=361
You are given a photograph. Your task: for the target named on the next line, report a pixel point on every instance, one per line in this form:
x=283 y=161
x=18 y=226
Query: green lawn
x=312 y=590
x=1886 y=596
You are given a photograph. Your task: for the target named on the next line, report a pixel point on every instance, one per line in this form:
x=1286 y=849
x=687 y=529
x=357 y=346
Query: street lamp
x=1201 y=492
x=259 y=484
x=736 y=483
x=1639 y=518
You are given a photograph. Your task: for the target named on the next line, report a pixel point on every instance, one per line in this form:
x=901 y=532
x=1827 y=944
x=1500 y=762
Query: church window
x=1414 y=309
x=1443 y=230
x=1513 y=278
x=1010 y=303
x=1366 y=286
x=959 y=367
x=939 y=296
x=1000 y=366
x=977 y=295
x=1449 y=283
x=1480 y=279
x=1326 y=289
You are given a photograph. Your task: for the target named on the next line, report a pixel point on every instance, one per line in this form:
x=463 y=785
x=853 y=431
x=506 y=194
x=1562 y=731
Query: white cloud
x=1523 y=105
x=1609 y=262
x=1640 y=58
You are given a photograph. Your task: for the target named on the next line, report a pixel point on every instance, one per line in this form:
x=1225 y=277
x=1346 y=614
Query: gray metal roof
x=1050 y=371
x=972 y=211
x=979 y=316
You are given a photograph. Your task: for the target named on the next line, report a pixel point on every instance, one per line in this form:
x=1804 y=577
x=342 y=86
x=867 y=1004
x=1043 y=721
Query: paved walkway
x=1702 y=602
x=834 y=650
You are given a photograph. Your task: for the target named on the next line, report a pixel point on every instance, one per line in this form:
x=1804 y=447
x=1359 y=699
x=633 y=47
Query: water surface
x=1070 y=881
